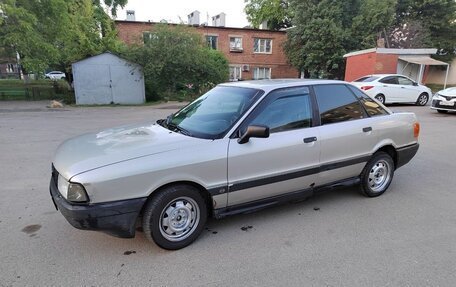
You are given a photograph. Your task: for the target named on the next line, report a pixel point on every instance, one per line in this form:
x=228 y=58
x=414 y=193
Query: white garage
x=108 y=79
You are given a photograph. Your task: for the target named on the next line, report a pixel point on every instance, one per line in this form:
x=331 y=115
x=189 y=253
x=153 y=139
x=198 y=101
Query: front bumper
x=437 y=106
x=405 y=154
x=117 y=218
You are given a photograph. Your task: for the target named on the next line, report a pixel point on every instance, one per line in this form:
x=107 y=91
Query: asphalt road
x=406 y=237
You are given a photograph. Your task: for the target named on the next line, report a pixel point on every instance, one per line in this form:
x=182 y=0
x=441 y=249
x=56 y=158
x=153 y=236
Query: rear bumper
x=117 y=218
x=405 y=154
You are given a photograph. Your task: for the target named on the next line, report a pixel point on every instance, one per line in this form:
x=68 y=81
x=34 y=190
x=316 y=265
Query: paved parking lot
x=407 y=237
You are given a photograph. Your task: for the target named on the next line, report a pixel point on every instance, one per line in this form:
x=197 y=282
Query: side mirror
x=415 y=83
x=254 y=132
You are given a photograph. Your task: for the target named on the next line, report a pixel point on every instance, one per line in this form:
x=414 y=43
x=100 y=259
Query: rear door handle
x=311 y=139
x=367 y=129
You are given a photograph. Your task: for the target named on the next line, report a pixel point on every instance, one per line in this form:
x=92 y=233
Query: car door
x=347 y=135
x=390 y=89
x=284 y=162
x=409 y=92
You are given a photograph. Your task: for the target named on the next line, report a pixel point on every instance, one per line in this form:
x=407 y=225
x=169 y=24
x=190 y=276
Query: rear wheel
x=422 y=99
x=175 y=216
x=377 y=174
x=380 y=98
x=442 y=111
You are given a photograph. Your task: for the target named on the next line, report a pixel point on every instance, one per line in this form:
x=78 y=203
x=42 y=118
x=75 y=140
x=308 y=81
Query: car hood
x=450 y=92
x=95 y=150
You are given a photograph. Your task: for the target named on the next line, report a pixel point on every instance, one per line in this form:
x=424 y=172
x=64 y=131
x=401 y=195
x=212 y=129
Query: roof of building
x=268 y=85
x=200 y=26
x=426 y=51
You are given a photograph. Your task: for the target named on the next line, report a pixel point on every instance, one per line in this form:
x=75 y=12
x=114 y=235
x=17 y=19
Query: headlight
x=77 y=193
x=437 y=96
x=62 y=185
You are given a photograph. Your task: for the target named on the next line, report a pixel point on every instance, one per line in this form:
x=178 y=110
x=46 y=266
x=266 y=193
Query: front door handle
x=310 y=139
x=367 y=129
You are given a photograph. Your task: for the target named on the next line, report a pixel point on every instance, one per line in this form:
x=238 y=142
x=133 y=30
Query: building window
x=262 y=46
x=235 y=73
x=10 y=68
x=235 y=44
x=212 y=42
x=148 y=37
x=261 y=73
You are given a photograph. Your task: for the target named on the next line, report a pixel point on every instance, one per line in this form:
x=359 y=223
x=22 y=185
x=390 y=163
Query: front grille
x=436 y=104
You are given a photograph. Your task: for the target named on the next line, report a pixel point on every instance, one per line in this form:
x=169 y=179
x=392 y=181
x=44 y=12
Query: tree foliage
x=177 y=62
x=429 y=23
x=323 y=31
x=55 y=33
x=275 y=12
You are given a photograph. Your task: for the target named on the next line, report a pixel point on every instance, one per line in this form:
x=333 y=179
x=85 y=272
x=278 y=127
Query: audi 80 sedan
x=238 y=148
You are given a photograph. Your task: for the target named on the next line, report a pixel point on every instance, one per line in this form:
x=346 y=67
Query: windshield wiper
x=175 y=128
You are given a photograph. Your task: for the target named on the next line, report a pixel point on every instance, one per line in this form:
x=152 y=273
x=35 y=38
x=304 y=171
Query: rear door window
x=337 y=104
x=371 y=106
x=390 y=80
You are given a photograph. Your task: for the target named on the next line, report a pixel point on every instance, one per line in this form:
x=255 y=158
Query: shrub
x=177 y=64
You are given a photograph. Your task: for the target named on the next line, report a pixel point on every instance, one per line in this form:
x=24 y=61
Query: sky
x=170 y=10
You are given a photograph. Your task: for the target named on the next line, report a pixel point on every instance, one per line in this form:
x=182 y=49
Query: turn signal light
x=416 y=129
x=365 y=88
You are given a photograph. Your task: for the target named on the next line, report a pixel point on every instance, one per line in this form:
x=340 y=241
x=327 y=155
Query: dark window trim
x=265 y=101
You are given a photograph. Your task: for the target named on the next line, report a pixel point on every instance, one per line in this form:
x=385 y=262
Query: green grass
x=437 y=87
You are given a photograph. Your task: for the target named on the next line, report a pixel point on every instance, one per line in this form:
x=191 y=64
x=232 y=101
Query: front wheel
x=377 y=174
x=175 y=216
x=422 y=99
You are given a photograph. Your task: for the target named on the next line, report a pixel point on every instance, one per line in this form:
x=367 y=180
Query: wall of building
x=436 y=74
x=131 y=32
x=359 y=65
x=386 y=64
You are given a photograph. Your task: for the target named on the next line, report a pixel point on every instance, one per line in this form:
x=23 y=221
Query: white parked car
x=240 y=147
x=55 y=75
x=444 y=100
x=391 y=88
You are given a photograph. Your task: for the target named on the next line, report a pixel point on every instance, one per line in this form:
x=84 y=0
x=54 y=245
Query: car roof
x=268 y=85
x=382 y=75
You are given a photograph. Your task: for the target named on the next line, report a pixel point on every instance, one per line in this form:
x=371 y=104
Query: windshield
x=366 y=79
x=213 y=114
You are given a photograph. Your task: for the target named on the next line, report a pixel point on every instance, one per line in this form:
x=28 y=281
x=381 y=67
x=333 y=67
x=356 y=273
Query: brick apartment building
x=251 y=53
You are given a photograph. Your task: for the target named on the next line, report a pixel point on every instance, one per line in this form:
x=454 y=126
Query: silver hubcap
x=380 y=99
x=422 y=100
x=379 y=176
x=179 y=219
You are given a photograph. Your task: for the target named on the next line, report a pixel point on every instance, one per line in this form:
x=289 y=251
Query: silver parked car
x=240 y=147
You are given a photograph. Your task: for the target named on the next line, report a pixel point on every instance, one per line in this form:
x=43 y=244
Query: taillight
x=416 y=129
x=365 y=88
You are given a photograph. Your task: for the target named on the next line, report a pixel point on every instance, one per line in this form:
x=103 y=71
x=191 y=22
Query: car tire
x=442 y=111
x=380 y=98
x=377 y=174
x=175 y=216
x=422 y=100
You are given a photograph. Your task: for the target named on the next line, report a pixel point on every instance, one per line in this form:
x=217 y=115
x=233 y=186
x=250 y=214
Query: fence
x=36 y=90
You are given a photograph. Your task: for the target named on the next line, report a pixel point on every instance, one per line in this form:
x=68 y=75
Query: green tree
x=55 y=33
x=275 y=12
x=432 y=22
x=177 y=62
